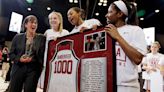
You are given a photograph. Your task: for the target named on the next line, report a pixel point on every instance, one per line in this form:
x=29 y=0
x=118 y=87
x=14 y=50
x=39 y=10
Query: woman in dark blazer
x=27 y=52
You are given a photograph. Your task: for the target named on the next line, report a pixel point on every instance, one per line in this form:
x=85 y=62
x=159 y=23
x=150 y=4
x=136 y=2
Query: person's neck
x=79 y=22
x=120 y=24
x=30 y=35
x=154 y=53
x=55 y=29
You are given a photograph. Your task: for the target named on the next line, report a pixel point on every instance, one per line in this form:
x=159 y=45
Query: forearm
x=131 y=52
x=14 y=58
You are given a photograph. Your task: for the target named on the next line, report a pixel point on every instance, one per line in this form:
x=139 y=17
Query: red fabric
x=0 y=55
x=78 y=48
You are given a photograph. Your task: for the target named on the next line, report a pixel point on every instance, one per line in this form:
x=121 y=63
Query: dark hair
x=27 y=19
x=79 y=10
x=132 y=13
x=132 y=17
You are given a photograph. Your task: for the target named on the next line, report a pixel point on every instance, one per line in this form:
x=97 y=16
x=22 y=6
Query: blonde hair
x=157 y=43
x=60 y=28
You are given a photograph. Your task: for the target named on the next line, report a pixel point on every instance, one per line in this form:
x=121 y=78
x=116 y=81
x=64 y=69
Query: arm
x=131 y=52
x=13 y=54
x=40 y=53
x=161 y=65
x=144 y=63
x=91 y=24
x=134 y=55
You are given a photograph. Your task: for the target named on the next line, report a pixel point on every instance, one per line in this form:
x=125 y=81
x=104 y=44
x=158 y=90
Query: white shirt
x=87 y=24
x=161 y=62
x=60 y=80
x=50 y=34
x=152 y=59
x=127 y=71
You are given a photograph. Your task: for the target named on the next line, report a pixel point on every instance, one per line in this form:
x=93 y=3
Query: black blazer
x=18 y=49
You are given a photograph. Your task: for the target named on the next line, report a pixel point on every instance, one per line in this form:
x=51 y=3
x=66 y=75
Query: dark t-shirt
x=4 y=58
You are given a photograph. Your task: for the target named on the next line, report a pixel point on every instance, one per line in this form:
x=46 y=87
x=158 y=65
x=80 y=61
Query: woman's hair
x=157 y=43
x=131 y=18
x=27 y=19
x=60 y=28
x=78 y=10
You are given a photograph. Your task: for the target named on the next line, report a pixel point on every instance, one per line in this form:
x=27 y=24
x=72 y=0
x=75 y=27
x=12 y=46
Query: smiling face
x=54 y=21
x=73 y=16
x=154 y=47
x=31 y=24
x=112 y=16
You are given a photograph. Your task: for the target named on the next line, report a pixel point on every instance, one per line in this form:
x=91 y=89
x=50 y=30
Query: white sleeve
x=139 y=41
x=90 y=22
x=65 y=32
x=161 y=61
x=144 y=60
x=95 y=22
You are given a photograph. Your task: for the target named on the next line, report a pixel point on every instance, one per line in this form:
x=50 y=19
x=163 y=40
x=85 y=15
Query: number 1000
x=63 y=67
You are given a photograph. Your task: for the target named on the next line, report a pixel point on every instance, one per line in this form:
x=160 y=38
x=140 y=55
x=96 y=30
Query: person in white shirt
x=56 y=24
x=150 y=63
x=130 y=44
x=76 y=17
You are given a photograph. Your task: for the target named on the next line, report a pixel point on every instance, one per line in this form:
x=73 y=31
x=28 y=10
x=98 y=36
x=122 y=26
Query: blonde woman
x=56 y=24
x=56 y=30
x=150 y=63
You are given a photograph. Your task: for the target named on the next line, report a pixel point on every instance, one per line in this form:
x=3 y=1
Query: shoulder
x=161 y=61
x=39 y=35
x=48 y=31
x=65 y=31
x=93 y=21
x=149 y=54
x=134 y=27
x=134 y=30
x=161 y=55
x=19 y=35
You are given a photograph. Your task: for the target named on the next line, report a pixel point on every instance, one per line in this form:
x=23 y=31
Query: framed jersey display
x=81 y=62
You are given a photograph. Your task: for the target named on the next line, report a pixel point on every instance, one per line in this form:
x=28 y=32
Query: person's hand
x=94 y=27
x=12 y=62
x=8 y=59
x=151 y=69
x=148 y=71
x=29 y=59
x=112 y=31
x=25 y=59
x=55 y=38
x=154 y=70
x=83 y=29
